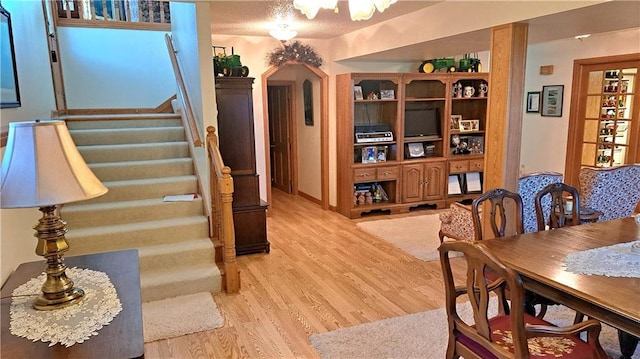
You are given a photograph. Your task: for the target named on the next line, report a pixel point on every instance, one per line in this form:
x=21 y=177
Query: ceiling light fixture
x=282 y=32
x=358 y=9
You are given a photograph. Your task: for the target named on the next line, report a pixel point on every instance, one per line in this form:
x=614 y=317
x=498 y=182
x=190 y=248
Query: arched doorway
x=322 y=122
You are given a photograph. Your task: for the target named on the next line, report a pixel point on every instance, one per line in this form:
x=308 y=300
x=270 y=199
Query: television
x=422 y=123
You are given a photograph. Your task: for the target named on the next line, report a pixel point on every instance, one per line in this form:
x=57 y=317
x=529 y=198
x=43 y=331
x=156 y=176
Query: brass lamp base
x=58 y=290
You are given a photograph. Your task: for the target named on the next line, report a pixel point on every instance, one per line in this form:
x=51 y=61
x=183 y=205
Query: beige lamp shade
x=42 y=167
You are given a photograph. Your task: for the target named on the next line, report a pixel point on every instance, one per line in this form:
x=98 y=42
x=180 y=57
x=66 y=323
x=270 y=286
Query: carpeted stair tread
x=147 y=188
x=135 y=235
x=141 y=158
x=134 y=152
x=80 y=215
x=136 y=226
x=121 y=120
x=116 y=171
x=105 y=136
x=179 y=281
x=176 y=254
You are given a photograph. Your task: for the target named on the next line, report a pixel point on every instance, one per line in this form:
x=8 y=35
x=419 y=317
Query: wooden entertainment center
x=399 y=148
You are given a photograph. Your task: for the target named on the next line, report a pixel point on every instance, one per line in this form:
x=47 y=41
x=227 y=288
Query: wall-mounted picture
x=357 y=93
x=552 y=101
x=533 y=101
x=455 y=122
x=387 y=94
x=10 y=93
x=469 y=125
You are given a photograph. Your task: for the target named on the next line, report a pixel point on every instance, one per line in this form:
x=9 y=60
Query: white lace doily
x=619 y=260
x=70 y=325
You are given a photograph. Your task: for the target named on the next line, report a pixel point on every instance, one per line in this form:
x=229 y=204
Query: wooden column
x=504 y=124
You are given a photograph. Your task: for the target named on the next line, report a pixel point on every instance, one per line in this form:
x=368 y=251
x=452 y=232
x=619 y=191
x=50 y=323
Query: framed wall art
x=533 y=102
x=552 y=101
x=10 y=93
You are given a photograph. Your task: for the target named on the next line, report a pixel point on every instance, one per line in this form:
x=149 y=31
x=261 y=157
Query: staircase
x=141 y=158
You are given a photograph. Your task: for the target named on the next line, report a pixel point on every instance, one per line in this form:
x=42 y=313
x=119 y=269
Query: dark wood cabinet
x=237 y=146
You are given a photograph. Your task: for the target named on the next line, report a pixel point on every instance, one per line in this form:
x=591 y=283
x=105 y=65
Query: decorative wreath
x=294 y=51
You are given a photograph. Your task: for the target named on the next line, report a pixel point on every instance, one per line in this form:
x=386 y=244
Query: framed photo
x=381 y=154
x=455 y=122
x=357 y=93
x=533 y=101
x=552 y=101
x=476 y=144
x=10 y=93
x=369 y=154
x=469 y=125
x=387 y=94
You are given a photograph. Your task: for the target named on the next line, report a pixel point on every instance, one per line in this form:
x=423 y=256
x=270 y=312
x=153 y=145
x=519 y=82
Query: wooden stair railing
x=220 y=185
x=222 y=213
x=190 y=123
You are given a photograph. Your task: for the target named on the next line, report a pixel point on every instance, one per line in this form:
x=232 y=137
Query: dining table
x=540 y=258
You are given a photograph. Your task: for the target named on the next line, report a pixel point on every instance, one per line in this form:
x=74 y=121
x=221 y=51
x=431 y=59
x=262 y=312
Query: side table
x=122 y=338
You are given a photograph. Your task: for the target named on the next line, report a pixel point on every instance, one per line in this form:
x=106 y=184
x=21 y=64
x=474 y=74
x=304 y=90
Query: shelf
x=421 y=139
x=419 y=99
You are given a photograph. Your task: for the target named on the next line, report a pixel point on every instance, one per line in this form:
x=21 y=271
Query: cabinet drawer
x=387 y=173
x=476 y=165
x=458 y=166
x=364 y=174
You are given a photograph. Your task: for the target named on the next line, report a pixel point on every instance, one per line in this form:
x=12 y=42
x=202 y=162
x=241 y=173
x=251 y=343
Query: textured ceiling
x=256 y=18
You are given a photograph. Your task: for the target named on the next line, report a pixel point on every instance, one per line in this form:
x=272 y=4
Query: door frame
x=576 y=127
x=293 y=134
x=324 y=129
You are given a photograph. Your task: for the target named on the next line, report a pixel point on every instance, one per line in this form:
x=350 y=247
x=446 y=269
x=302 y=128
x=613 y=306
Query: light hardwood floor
x=322 y=274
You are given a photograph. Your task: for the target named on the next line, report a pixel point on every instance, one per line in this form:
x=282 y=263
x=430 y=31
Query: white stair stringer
x=140 y=159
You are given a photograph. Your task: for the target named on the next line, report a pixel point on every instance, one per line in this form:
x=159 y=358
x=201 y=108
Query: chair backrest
x=464 y=338
x=556 y=216
x=499 y=219
x=615 y=191
x=528 y=186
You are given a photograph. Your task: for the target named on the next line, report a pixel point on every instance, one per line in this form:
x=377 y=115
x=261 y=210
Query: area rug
x=416 y=235
x=422 y=335
x=173 y=317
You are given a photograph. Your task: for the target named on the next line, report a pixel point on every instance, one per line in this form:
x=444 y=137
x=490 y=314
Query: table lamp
x=42 y=168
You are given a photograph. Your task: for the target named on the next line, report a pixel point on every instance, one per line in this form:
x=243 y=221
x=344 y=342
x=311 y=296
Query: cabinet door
x=412 y=182
x=434 y=181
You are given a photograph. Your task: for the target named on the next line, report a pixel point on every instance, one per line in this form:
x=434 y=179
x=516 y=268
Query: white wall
x=544 y=139
x=191 y=40
x=113 y=68
x=36 y=92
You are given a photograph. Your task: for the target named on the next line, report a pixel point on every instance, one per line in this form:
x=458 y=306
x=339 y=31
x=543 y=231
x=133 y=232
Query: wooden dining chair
x=551 y=212
x=555 y=215
x=500 y=217
x=500 y=220
x=511 y=333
